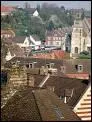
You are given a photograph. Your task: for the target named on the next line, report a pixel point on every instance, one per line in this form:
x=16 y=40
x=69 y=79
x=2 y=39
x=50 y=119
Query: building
x=59 y=38
x=72 y=68
x=83 y=107
x=32 y=104
x=81 y=37
x=7 y=34
x=77 y=13
x=7 y=10
x=14 y=51
x=35 y=14
x=30 y=42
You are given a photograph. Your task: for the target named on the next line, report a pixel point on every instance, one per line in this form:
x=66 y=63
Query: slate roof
x=55 y=33
x=62 y=83
x=36 y=105
x=60 y=32
x=40 y=62
x=68 y=63
x=36 y=38
x=31 y=10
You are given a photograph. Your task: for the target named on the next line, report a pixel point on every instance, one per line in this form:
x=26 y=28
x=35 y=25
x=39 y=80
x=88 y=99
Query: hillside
x=23 y=23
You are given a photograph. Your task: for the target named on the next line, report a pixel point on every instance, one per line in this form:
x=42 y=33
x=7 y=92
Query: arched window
x=76 y=49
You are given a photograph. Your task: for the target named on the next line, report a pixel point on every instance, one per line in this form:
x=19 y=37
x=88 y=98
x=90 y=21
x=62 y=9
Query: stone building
x=81 y=37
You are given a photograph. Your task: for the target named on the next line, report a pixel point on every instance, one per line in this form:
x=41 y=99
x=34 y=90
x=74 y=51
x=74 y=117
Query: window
x=48 y=65
x=56 y=38
x=27 y=65
x=66 y=49
x=80 y=68
x=76 y=49
x=31 y=65
x=57 y=43
x=89 y=49
x=49 y=38
x=51 y=65
x=51 y=42
x=63 y=69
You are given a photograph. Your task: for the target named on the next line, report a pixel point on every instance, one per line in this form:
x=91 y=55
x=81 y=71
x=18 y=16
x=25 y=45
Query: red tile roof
x=55 y=54
x=7 y=8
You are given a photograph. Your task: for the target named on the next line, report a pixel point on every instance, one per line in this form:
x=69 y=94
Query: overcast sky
x=67 y=4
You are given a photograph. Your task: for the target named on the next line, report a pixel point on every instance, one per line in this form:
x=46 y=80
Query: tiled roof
x=19 y=39
x=16 y=50
x=24 y=107
x=60 y=84
x=55 y=54
x=68 y=63
x=57 y=33
x=36 y=38
x=7 y=8
x=36 y=105
x=40 y=62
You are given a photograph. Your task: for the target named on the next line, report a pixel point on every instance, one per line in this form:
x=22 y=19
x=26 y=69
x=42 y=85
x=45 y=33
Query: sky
x=66 y=4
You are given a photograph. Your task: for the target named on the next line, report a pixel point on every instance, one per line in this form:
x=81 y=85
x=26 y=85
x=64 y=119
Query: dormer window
x=63 y=68
x=80 y=68
x=31 y=65
x=51 y=65
x=48 y=65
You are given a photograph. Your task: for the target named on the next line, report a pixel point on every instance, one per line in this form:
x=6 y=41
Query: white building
x=28 y=42
x=81 y=37
x=36 y=14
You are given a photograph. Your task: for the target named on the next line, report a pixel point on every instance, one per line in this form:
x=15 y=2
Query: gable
x=26 y=41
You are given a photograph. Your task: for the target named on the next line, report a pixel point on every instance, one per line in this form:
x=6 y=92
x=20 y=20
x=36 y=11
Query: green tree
x=50 y=26
x=38 y=8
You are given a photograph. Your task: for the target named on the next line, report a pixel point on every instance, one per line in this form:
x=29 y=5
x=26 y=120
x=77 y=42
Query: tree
x=62 y=8
x=50 y=26
x=38 y=8
x=83 y=15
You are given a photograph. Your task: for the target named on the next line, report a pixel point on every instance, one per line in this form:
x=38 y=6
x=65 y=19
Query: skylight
x=58 y=112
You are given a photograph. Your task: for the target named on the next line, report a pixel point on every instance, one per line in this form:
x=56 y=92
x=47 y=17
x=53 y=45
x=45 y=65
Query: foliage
x=21 y=20
x=84 y=53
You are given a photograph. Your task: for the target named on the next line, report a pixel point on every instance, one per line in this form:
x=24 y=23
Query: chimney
x=30 y=80
x=68 y=94
x=65 y=100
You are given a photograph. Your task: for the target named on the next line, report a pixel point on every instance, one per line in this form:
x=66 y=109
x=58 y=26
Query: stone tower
x=76 y=41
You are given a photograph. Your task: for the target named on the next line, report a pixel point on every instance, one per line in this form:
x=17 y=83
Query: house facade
x=58 y=38
x=31 y=42
x=81 y=37
x=7 y=33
